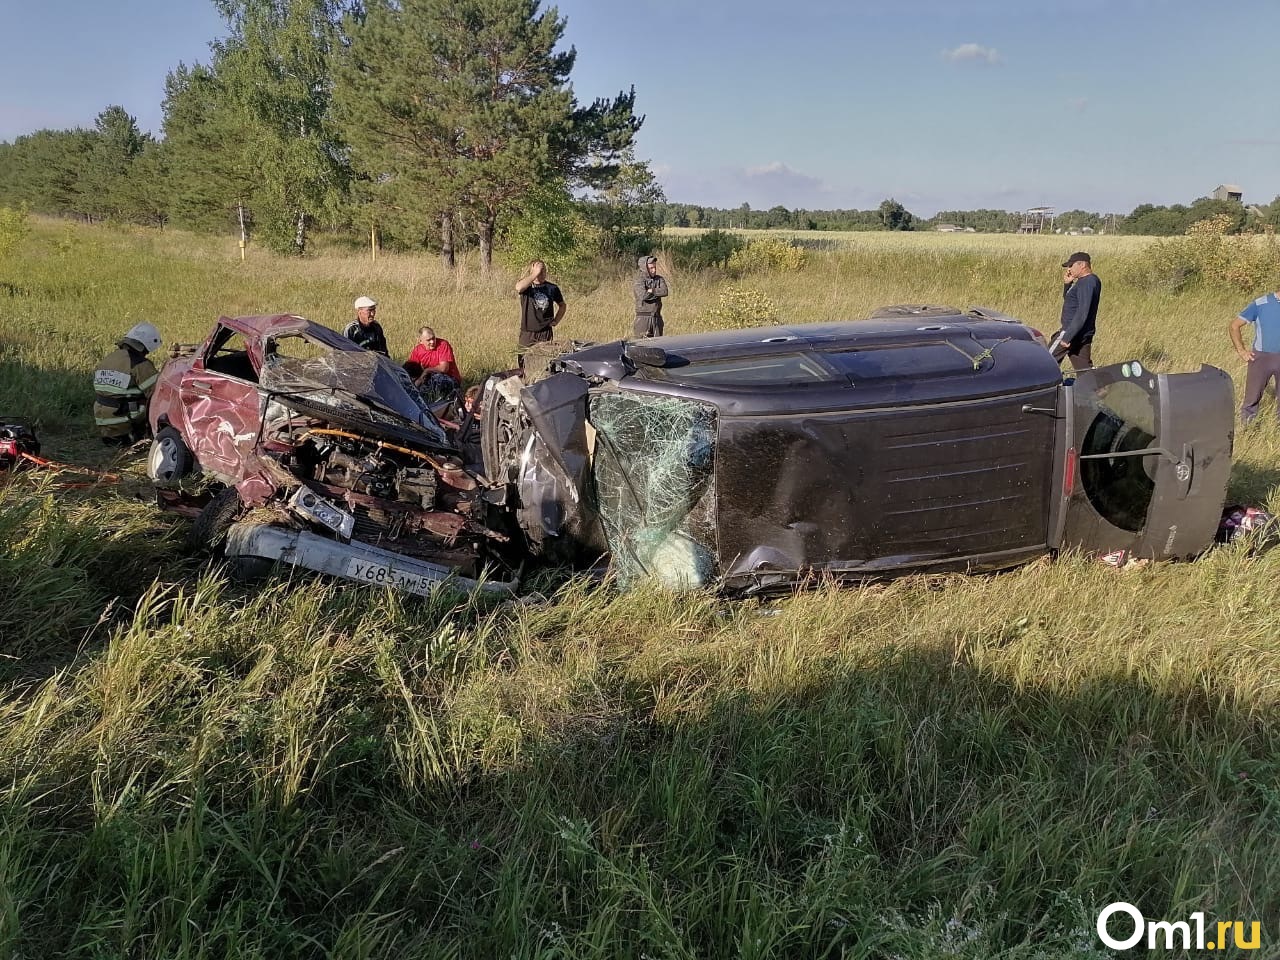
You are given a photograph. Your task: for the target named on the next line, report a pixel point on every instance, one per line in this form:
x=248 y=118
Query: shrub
x=13 y=228
x=1207 y=256
x=711 y=249
x=740 y=307
x=769 y=253
x=549 y=227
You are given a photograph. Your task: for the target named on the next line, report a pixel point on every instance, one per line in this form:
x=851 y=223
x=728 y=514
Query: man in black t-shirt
x=1081 y=292
x=542 y=305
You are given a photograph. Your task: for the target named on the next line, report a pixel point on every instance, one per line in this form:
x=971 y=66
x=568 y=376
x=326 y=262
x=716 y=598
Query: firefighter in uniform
x=122 y=385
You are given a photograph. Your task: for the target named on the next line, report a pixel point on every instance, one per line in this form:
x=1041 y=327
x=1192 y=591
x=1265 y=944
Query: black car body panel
x=1153 y=455
x=922 y=439
x=965 y=481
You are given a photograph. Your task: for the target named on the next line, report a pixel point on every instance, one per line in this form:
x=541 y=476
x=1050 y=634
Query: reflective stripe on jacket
x=122 y=384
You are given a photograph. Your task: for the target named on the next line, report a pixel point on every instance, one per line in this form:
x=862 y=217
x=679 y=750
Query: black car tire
x=250 y=569
x=209 y=531
x=169 y=459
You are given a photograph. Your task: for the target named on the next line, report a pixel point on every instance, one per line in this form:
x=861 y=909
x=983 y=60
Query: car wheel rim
x=164 y=459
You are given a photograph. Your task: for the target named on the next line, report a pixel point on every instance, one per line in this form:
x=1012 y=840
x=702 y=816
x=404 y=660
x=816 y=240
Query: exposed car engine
x=409 y=501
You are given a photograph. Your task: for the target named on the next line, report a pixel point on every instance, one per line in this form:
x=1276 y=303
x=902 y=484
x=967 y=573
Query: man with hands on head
x=649 y=288
x=542 y=305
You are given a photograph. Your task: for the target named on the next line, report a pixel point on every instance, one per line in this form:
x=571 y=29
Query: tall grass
x=943 y=766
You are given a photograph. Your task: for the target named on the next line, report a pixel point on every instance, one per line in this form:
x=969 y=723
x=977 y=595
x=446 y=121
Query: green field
x=931 y=241
x=938 y=767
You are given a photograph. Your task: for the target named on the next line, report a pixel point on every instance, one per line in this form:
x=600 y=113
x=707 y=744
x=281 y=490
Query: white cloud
x=973 y=53
x=778 y=178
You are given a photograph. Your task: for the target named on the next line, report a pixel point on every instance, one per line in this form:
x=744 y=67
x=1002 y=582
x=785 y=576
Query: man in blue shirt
x=1263 y=356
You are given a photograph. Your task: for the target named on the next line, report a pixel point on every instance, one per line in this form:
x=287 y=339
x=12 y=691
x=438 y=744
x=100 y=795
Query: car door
x=1148 y=460
x=222 y=408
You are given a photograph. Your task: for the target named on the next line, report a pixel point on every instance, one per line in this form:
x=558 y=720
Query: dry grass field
x=936 y=767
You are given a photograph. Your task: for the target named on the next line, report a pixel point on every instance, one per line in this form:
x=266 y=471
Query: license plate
x=384 y=575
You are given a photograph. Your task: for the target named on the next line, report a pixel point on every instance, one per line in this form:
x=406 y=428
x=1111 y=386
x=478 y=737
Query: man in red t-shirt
x=432 y=366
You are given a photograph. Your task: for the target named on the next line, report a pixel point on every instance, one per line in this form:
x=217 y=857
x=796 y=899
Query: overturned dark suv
x=923 y=439
x=751 y=461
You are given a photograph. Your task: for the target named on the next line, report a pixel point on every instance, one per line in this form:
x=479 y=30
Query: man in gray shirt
x=649 y=289
x=1081 y=292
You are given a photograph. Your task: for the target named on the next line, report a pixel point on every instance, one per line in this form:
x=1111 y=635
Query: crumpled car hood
x=333 y=380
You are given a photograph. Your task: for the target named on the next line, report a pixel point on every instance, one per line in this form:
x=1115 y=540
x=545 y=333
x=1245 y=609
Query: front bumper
x=356 y=561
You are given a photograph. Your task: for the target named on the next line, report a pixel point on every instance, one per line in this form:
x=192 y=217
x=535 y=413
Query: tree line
x=432 y=124
x=426 y=123
x=1147 y=219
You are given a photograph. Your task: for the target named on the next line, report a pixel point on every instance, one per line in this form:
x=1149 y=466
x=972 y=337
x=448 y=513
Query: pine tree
x=460 y=108
x=107 y=179
x=209 y=171
x=45 y=171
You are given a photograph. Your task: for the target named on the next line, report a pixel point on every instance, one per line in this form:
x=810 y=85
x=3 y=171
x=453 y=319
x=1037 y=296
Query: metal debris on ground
x=20 y=450
x=1241 y=521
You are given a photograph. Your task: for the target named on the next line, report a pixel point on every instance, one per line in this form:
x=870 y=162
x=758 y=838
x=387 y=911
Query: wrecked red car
x=289 y=443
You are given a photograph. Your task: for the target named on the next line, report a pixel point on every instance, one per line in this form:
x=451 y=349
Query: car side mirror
x=645 y=354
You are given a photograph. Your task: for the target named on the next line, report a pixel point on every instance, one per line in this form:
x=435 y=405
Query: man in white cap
x=122 y=386
x=365 y=330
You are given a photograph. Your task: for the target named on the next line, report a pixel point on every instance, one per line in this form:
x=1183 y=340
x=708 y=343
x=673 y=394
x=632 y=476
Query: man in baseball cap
x=365 y=330
x=1081 y=292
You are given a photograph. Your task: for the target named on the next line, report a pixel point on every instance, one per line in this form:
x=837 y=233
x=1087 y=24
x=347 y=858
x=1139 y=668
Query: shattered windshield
x=654 y=477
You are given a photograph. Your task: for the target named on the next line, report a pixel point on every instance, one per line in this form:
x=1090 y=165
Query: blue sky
x=1097 y=104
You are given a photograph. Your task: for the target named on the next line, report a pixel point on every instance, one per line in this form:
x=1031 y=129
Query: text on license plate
x=383 y=575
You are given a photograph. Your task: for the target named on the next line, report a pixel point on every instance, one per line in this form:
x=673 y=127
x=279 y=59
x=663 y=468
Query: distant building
x=1037 y=220
x=1228 y=191
x=947 y=228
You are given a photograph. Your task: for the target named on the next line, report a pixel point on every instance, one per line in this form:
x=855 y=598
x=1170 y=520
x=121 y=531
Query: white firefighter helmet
x=146 y=334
